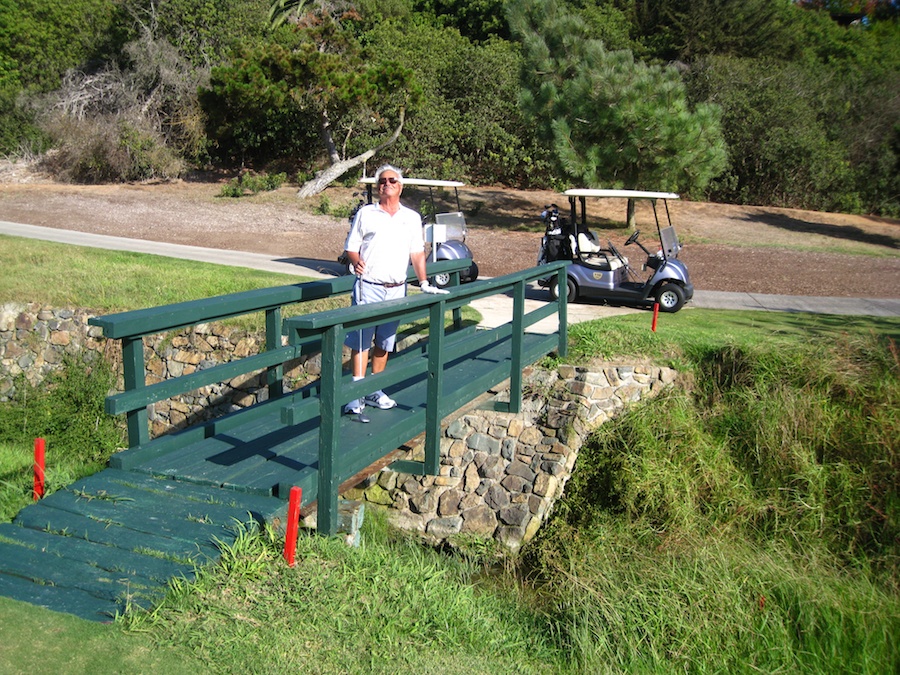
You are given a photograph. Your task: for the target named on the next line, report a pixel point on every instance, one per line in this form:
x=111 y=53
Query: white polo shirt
x=385 y=242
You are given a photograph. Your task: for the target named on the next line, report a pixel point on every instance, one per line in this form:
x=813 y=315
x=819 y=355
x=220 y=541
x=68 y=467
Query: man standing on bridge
x=384 y=238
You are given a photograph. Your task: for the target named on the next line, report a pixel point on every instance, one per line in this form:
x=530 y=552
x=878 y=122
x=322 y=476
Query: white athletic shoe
x=355 y=407
x=380 y=400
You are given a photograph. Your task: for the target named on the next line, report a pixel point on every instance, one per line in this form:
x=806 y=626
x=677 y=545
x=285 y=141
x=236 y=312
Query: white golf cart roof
x=622 y=194
x=422 y=182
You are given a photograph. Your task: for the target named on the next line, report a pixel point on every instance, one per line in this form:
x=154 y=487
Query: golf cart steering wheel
x=612 y=247
x=633 y=238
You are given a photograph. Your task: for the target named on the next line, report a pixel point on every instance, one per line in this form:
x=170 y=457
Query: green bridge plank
x=173 y=442
x=40 y=517
x=150 y=569
x=223 y=449
x=188 y=522
x=59 y=599
x=221 y=507
x=42 y=567
x=250 y=451
x=243 y=502
x=275 y=474
x=274 y=446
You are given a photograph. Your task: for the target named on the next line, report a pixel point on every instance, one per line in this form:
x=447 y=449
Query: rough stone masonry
x=501 y=473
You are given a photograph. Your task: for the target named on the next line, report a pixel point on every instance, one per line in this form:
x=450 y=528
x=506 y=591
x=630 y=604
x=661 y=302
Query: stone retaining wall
x=501 y=473
x=35 y=340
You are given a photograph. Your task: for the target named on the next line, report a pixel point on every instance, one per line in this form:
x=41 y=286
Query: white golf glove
x=426 y=287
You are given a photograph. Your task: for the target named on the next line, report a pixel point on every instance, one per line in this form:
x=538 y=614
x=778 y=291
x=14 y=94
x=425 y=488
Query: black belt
x=386 y=284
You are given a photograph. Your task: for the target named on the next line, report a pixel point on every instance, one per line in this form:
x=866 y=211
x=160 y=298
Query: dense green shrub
x=775 y=127
x=67 y=410
x=251 y=184
x=39 y=41
x=468 y=125
x=207 y=33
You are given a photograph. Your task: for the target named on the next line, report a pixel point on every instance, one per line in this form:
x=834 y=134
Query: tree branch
x=335 y=170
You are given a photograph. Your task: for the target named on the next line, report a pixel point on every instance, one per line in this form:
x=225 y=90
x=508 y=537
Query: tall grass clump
x=389 y=606
x=816 y=432
x=748 y=521
x=67 y=411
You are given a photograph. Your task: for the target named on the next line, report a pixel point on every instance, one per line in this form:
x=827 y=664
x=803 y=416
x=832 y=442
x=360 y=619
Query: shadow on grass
x=849 y=232
x=818 y=325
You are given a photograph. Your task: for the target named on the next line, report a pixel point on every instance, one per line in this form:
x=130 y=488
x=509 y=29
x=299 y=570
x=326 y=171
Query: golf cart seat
x=602 y=260
x=588 y=242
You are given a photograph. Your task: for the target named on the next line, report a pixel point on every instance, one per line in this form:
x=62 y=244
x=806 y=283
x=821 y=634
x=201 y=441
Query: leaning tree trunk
x=338 y=168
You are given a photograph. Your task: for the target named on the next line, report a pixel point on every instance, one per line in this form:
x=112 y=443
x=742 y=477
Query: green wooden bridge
x=168 y=504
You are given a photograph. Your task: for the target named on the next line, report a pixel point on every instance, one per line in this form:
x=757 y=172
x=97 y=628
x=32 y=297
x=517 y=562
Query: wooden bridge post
x=330 y=411
x=137 y=421
x=518 y=337
x=562 y=282
x=274 y=374
x=435 y=389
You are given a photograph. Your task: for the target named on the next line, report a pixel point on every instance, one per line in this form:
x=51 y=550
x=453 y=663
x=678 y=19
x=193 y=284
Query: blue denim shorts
x=383 y=335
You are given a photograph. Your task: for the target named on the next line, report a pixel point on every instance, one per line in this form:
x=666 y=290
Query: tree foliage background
x=611 y=121
x=748 y=101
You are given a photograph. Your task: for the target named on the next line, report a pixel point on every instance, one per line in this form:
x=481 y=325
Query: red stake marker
x=655 y=316
x=39 y=461
x=293 y=523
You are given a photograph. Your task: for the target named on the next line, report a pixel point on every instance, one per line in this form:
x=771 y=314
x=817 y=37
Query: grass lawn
x=36 y=640
x=747 y=520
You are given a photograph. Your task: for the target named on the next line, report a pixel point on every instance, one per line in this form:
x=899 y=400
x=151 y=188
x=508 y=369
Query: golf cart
x=603 y=272
x=445 y=232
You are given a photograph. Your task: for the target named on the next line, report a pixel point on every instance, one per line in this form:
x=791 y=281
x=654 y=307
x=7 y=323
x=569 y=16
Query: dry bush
x=134 y=122
x=107 y=149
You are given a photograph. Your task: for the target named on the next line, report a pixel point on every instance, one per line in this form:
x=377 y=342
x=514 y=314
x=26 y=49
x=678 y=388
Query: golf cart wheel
x=670 y=297
x=571 y=290
x=442 y=280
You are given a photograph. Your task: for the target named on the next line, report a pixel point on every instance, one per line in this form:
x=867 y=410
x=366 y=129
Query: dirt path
x=727 y=248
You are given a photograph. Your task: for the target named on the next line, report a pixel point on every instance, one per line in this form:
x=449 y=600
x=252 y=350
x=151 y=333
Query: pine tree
x=612 y=121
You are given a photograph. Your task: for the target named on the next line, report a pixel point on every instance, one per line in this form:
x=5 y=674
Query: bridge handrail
x=335 y=389
x=154 y=320
x=132 y=326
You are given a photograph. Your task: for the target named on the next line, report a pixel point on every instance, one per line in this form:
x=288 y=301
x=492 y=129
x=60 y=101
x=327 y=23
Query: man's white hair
x=388 y=167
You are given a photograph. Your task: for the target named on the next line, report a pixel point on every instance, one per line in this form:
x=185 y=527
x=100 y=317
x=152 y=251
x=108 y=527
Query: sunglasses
x=392 y=180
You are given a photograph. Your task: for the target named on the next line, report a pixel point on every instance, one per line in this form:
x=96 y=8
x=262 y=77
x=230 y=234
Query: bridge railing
x=132 y=326
x=329 y=329
x=324 y=332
